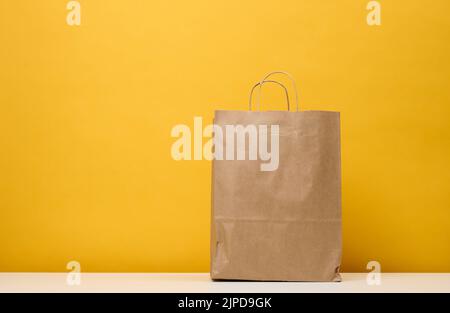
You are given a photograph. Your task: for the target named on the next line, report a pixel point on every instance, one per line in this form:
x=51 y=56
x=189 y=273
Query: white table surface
x=200 y=282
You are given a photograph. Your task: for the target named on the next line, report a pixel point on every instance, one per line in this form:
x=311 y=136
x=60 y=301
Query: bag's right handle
x=284 y=73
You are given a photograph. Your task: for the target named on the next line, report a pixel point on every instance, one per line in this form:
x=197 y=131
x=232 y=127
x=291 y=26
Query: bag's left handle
x=260 y=84
x=294 y=85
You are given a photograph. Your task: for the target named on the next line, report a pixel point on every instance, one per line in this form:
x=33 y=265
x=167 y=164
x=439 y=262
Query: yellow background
x=86 y=114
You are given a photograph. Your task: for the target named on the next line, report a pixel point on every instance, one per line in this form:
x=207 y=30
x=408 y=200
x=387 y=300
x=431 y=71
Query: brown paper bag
x=282 y=223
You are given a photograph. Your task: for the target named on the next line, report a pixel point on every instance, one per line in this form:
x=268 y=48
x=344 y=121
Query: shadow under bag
x=276 y=220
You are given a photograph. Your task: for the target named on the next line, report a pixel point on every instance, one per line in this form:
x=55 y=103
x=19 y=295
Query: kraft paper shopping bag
x=276 y=196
